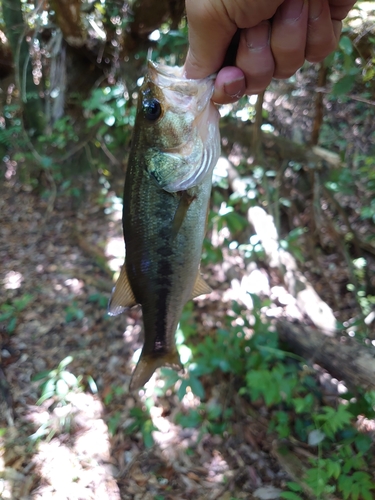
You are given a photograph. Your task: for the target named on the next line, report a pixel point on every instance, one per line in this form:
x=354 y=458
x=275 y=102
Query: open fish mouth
x=179 y=90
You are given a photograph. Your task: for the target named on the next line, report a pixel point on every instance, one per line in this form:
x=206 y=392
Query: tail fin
x=148 y=363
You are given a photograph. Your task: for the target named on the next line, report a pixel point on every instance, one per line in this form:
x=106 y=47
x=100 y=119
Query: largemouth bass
x=175 y=147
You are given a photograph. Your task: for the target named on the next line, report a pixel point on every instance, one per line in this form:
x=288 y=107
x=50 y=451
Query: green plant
x=142 y=422
x=99 y=299
x=208 y=417
x=287 y=387
x=292 y=494
x=115 y=391
x=114 y=422
x=73 y=313
x=58 y=383
x=9 y=312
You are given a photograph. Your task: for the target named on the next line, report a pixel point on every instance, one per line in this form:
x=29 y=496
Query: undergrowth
x=268 y=375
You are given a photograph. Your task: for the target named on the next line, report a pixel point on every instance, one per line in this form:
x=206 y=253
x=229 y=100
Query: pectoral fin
x=183 y=206
x=122 y=295
x=200 y=287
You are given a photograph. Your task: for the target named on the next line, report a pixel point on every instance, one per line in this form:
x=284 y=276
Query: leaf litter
x=79 y=450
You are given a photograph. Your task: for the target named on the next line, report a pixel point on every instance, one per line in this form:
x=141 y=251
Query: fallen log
x=343 y=357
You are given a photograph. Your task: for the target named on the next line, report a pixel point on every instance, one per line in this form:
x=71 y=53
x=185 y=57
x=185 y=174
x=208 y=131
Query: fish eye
x=151 y=109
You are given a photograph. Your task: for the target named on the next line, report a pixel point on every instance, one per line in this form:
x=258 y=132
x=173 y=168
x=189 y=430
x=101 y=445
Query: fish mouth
x=179 y=89
x=176 y=72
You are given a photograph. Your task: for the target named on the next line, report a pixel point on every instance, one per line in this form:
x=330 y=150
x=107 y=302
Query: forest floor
x=56 y=277
x=52 y=258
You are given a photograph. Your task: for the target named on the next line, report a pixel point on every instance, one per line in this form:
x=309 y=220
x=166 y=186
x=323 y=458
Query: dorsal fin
x=200 y=287
x=122 y=295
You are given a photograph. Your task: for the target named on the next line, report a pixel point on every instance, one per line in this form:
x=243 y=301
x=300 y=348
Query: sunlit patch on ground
x=12 y=280
x=76 y=462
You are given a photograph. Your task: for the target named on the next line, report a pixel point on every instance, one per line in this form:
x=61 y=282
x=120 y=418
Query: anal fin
x=122 y=295
x=200 y=287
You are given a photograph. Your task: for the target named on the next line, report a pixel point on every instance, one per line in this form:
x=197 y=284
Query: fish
x=174 y=149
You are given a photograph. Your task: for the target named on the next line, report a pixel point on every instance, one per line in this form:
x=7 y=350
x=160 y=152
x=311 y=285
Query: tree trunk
x=342 y=357
x=68 y=17
x=33 y=114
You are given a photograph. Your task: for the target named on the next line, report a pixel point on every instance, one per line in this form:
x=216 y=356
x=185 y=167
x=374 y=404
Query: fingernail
x=235 y=88
x=292 y=9
x=315 y=9
x=258 y=37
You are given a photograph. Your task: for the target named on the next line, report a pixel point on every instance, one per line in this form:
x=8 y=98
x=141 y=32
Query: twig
x=257 y=145
x=319 y=108
x=109 y=155
x=324 y=90
x=138 y=458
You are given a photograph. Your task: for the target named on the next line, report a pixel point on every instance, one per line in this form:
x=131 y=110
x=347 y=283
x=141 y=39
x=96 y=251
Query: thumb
x=210 y=34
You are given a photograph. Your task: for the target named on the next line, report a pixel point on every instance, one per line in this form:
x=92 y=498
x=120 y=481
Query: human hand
x=275 y=39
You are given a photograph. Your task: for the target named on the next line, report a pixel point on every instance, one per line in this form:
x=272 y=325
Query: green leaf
x=191 y=419
x=49 y=389
x=65 y=362
x=182 y=389
x=62 y=388
x=113 y=422
x=23 y=301
x=214 y=410
x=170 y=377
x=333 y=468
x=346 y=45
x=315 y=437
x=196 y=387
x=40 y=375
x=12 y=325
x=6 y=315
x=69 y=378
x=289 y=495
x=92 y=384
x=344 y=85
x=146 y=430
x=294 y=486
